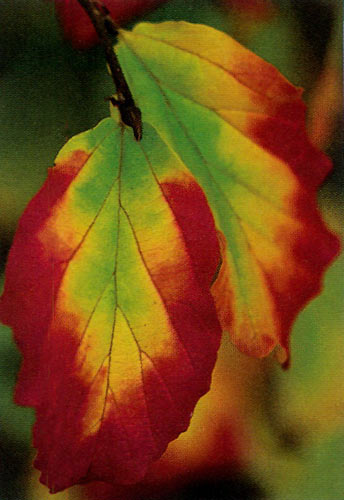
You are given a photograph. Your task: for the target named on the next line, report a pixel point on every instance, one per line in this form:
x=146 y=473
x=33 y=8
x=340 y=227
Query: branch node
x=105 y=26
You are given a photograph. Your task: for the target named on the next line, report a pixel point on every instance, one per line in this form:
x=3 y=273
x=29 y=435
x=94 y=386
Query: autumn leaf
x=239 y=126
x=108 y=294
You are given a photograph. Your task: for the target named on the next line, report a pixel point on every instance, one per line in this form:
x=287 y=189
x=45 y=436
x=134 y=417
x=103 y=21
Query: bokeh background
x=260 y=433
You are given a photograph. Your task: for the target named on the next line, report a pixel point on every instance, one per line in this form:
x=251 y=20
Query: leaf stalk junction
x=105 y=26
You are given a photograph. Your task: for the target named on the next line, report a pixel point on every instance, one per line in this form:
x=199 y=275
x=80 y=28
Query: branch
x=104 y=25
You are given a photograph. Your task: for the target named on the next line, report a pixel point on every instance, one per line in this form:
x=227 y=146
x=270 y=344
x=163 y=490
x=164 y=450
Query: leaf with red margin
x=108 y=294
x=239 y=126
x=78 y=28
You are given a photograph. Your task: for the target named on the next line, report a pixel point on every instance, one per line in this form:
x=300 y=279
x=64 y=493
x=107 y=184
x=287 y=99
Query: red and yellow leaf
x=239 y=126
x=108 y=293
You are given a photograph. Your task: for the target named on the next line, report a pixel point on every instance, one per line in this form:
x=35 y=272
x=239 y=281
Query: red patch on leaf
x=284 y=136
x=31 y=273
x=314 y=250
x=200 y=235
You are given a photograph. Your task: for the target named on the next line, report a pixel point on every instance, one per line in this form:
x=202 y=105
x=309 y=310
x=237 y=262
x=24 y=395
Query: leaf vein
x=157 y=287
x=202 y=58
x=151 y=424
x=233 y=176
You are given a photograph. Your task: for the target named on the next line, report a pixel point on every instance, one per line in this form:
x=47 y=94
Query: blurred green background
x=291 y=434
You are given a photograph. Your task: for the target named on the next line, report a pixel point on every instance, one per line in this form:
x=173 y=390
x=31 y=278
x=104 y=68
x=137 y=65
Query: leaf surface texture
x=108 y=293
x=239 y=126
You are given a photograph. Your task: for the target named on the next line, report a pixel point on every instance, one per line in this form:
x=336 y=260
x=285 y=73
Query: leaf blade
x=130 y=340
x=235 y=122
